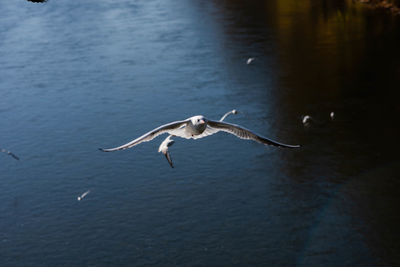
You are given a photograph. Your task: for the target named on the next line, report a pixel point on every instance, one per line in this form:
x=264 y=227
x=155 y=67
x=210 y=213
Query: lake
x=79 y=75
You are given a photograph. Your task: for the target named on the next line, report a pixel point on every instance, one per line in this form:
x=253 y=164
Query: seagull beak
x=202 y=122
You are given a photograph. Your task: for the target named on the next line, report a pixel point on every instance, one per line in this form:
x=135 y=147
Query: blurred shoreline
x=392 y=6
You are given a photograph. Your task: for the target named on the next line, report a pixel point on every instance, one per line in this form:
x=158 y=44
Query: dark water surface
x=78 y=75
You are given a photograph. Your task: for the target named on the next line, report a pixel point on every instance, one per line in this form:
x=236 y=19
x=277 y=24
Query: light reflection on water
x=78 y=76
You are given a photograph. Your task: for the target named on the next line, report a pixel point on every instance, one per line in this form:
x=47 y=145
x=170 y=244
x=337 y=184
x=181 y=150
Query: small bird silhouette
x=83 y=195
x=251 y=59
x=9 y=153
x=37 y=1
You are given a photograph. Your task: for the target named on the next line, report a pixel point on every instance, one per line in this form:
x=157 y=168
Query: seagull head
x=199 y=122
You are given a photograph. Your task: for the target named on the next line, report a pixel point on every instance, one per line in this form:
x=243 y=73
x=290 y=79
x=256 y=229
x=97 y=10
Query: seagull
x=198 y=127
x=83 y=195
x=169 y=142
x=9 y=153
x=306 y=119
x=251 y=59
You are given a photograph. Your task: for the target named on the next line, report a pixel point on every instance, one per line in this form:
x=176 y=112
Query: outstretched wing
x=171 y=128
x=243 y=133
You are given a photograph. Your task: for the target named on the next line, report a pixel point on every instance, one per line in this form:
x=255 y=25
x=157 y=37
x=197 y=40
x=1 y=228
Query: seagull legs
x=163 y=148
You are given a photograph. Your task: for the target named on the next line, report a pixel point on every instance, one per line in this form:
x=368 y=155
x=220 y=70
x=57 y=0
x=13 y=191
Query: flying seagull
x=9 y=153
x=251 y=59
x=306 y=119
x=169 y=142
x=198 y=127
x=83 y=195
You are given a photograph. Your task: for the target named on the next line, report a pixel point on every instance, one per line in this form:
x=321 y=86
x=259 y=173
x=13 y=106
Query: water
x=76 y=76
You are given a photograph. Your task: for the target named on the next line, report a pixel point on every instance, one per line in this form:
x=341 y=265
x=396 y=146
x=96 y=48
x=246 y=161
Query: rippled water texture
x=78 y=75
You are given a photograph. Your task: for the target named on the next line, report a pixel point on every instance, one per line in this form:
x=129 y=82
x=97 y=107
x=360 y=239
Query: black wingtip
x=283 y=145
x=102 y=149
x=168 y=157
x=171 y=164
x=14 y=156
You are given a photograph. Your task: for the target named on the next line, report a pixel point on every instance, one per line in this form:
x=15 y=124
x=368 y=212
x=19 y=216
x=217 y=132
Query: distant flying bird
x=83 y=195
x=9 y=153
x=37 y=1
x=198 y=127
x=251 y=59
x=306 y=119
x=169 y=142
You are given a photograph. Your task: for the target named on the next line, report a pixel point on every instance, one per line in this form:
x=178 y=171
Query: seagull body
x=9 y=153
x=198 y=127
x=169 y=142
x=332 y=115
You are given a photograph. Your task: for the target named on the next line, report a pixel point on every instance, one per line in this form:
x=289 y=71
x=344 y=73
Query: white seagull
x=306 y=119
x=198 y=127
x=251 y=59
x=9 y=153
x=83 y=195
x=163 y=148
